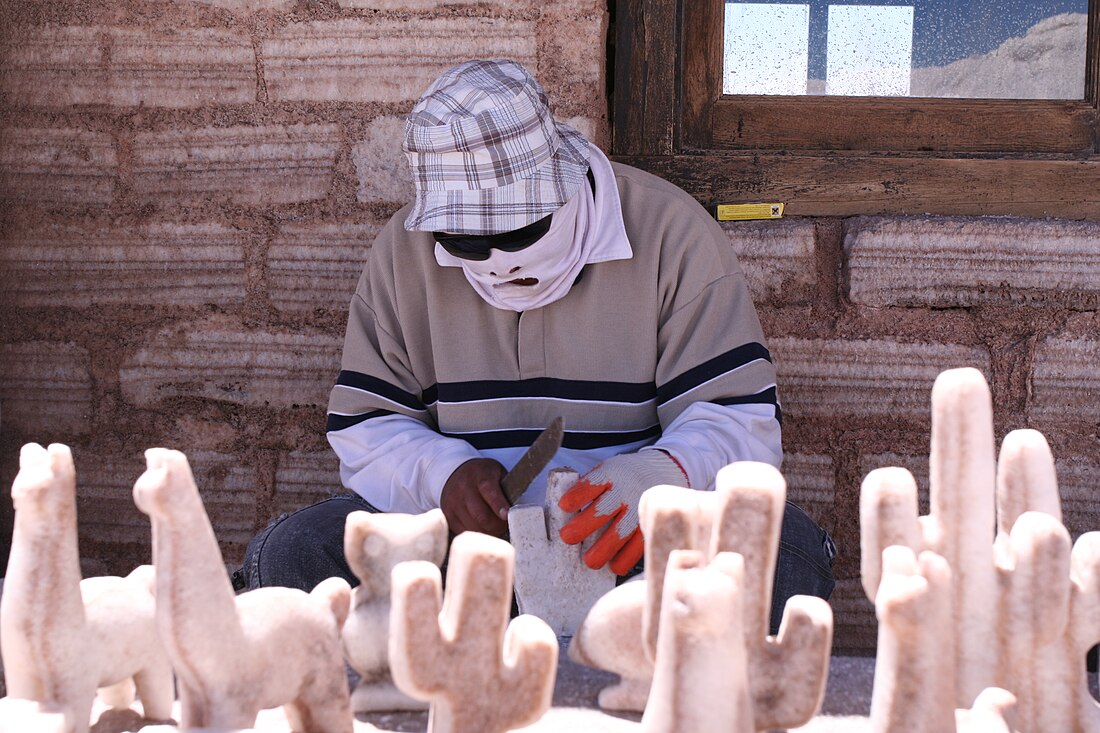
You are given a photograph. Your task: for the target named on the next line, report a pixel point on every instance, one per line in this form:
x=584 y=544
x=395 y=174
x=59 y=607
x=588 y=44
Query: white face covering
x=537 y=275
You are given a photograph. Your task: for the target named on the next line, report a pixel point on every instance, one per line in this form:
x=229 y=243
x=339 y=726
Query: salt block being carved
x=374 y=544
x=62 y=638
x=237 y=655
x=743 y=515
x=701 y=680
x=1038 y=600
x=29 y=716
x=610 y=638
x=552 y=580
x=481 y=673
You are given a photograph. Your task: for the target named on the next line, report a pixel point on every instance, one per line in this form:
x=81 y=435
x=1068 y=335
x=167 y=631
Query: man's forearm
x=398 y=461
x=706 y=437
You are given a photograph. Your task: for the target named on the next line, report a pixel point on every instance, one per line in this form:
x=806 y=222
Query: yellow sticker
x=742 y=212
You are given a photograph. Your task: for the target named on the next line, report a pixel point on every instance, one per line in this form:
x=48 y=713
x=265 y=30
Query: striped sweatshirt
x=663 y=349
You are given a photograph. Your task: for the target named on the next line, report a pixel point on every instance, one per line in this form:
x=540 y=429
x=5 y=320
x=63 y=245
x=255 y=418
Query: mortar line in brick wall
x=258 y=301
x=162 y=119
x=345 y=179
x=266 y=473
x=262 y=96
x=831 y=267
x=106 y=43
x=124 y=158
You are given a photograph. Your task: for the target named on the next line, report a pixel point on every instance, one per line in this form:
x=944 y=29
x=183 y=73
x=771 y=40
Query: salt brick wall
x=188 y=192
x=863 y=313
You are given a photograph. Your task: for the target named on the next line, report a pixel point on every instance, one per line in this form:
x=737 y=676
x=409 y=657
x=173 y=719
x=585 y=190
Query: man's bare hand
x=472 y=499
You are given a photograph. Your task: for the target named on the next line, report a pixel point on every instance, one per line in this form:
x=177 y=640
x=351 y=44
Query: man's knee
x=300 y=549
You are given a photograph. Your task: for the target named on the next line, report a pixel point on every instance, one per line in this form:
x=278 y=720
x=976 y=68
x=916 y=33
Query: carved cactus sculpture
x=959 y=526
x=701 y=678
x=743 y=515
x=237 y=655
x=1049 y=679
x=61 y=637
x=374 y=544
x=552 y=581
x=481 y=673
x=914 y=688
x=1062 y=687
x=1038 y=617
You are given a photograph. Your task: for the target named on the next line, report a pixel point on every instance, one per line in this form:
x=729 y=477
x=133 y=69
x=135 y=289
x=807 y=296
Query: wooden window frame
x=843 y=156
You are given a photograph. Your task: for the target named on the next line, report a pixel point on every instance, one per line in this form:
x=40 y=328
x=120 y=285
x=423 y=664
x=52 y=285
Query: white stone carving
x=481 y=673
x=374 y=544
x=1024 y=607
x=235 y=656
x=552 y=581
x=701 y=679
x=610 y=638
x=743 y=515
x=28 y=716
x=62 y=638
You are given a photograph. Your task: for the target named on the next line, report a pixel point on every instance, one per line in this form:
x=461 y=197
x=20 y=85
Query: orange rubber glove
x=611 y=492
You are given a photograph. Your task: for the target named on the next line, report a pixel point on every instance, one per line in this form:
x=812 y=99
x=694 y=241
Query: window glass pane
x=870 y=50
x=767 y=48
x=1016 y=49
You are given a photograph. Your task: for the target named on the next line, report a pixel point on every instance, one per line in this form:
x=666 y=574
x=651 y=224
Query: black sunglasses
x=479 y=246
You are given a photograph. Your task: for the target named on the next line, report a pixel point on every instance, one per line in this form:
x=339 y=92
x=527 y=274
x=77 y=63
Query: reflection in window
x=767 y=48
x=870 y=50
x=1024 y=49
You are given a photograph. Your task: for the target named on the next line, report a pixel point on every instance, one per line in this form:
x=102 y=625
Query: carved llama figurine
x=1025 y=608
x=235 y=656
x=62 y=637
x=743 y=515
x=374 y=544
x=481 y=673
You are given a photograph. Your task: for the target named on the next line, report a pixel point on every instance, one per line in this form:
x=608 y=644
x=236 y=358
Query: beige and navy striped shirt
x=664 y=349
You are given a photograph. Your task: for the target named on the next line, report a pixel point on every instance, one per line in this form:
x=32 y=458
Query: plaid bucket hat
x=486 y=154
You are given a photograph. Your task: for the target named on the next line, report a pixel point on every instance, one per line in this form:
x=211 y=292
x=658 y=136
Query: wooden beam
x=645 y=77
x=845 y=184
x=901 y=124
x=703 y=45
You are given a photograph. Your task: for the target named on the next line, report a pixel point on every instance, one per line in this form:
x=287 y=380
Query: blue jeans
x=300 y=549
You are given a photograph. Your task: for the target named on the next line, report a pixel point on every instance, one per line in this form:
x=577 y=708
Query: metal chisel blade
x=533 y=461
